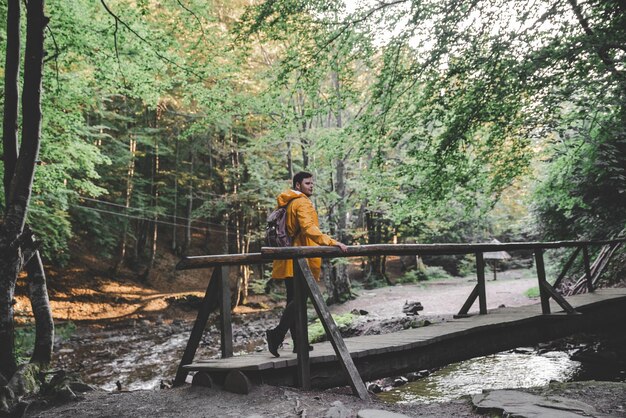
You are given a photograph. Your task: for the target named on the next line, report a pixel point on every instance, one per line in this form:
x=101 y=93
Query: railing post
x=587 y=269
x=541 y=277
x=302 y=331
x=480 y=273
x=226 y=324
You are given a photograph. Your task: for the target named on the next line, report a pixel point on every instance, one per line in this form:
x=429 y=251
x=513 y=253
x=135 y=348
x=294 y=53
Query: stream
x=578 y=358
x=144 y=354
x=498 y=371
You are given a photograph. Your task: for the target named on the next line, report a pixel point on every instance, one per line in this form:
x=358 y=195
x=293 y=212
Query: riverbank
x=602 y=398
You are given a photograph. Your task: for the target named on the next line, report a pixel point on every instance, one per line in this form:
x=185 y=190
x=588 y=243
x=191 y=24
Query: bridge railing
x=217 y=295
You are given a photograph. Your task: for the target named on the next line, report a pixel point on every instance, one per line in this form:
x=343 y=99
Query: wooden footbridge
x=340 y=362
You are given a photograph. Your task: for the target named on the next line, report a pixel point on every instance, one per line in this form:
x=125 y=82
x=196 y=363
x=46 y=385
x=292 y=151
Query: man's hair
x=301 y=176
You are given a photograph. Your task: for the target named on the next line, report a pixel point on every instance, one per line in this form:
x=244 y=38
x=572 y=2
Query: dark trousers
x=288 y=319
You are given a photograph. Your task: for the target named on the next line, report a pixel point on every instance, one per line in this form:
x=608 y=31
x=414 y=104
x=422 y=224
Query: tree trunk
x=187 y=241
x=175 y=217
x=154 y=191
x=8 y=270
x=304 y=145
x=340 y=276
x=132 y=148
x=10 y=266
x=13 y=243
x=11 y=95
x=44 y=325
x=289 y=160
x=376 y=264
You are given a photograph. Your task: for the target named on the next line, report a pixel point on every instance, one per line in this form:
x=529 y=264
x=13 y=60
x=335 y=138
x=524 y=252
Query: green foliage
x=583 y=192
x=25 y=338
x=317 y=332
x=257 y=286
x=420 y=275
x=532 y=293
x=467 y=266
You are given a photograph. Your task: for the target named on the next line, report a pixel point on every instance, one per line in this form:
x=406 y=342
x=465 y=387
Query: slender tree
x=17 y=243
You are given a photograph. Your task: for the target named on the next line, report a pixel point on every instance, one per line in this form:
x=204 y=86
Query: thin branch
x=191 y=12
x=144 y=40
x=600 y=50
x=117 y=53
x=346 y=25
x=55 y=57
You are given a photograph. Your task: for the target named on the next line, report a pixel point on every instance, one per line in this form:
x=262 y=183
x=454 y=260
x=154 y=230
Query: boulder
x=338 y=410
x=379 y=413
x=521 y=404
x=412 y=308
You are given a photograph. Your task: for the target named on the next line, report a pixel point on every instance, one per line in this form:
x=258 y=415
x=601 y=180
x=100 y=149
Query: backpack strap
x=287 y=215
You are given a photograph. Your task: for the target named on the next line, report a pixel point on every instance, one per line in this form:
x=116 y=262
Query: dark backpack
x=276 y=234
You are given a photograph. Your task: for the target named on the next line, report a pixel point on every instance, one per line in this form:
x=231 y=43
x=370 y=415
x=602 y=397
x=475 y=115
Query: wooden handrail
x=203 y=261
x=269 y=254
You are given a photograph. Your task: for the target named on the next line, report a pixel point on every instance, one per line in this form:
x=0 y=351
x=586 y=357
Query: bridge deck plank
x=372 y=345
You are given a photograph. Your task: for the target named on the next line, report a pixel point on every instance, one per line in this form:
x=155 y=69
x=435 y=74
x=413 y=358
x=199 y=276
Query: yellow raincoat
x=303 y=224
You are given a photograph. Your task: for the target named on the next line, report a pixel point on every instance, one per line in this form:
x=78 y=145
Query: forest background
x=171 y=126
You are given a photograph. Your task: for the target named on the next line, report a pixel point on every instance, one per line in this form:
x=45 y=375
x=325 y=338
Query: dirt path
x=442 y=297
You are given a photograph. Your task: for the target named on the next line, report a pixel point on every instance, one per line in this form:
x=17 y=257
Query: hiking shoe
x=273 y=342
x=295 y=349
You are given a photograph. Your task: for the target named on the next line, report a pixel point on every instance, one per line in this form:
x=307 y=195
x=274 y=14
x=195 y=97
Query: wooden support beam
x=358 y=387
x=226 y=324
x=587 y=269
x=301 y=339
x=541 y=277
x=557 y=297
x=468 y=303
x=208 y=305
x=480 y=273
x=566 y=268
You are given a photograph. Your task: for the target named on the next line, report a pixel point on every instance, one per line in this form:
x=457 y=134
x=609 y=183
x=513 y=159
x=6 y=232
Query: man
x=303 y=226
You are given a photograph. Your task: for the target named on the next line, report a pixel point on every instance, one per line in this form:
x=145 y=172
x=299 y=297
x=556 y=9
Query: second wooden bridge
x=372 y=357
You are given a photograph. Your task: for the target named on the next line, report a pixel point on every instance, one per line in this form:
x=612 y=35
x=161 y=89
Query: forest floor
x=116 y=317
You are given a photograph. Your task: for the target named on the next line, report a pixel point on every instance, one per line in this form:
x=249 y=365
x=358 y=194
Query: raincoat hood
x=287 y=196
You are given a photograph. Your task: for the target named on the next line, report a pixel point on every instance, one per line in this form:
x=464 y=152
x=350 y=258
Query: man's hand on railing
x=342 y=247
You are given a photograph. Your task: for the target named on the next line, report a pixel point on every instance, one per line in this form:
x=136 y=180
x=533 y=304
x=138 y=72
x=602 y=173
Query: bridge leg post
x=541 y=277
x=587 y=269
x=226 y=325
x=209 y=304
x=480 y=273
x=343 y=355
x=302 y=332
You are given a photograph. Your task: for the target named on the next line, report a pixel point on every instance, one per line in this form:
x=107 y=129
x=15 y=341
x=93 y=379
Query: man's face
x=306 y=186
